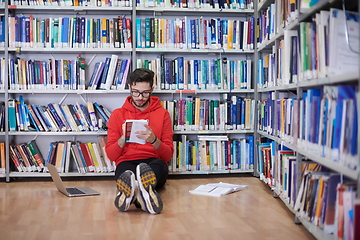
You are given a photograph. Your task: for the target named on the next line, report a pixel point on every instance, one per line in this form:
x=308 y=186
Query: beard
x=141 y=103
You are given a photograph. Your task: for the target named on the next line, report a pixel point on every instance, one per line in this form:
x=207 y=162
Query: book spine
x=57 y=117
x=105 y=73
x=75 y=117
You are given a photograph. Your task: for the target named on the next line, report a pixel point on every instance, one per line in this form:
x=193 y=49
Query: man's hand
x=121 y=141
x=147 y=135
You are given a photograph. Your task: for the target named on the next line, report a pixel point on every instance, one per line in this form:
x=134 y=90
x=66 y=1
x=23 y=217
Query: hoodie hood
x=154 y=105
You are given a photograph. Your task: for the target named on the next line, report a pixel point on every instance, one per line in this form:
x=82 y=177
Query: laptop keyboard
x=74 y=191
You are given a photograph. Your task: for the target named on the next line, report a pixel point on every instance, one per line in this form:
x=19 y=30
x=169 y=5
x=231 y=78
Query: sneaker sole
x=149 y=199
x=126 y=186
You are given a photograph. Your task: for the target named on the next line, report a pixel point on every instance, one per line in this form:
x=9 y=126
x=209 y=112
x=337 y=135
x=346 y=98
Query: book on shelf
x=102 y=142
x=13 y=156
x=2 y=116
x=87 y=156
x=29 y=160
x=80 y=164
x=71 y=118
x=120 y=80
x=36 y=153
x=110 y=73
x=317 y=197
x=96 y=161
x=67 y=155
x=2 y=158
x=344 y=41
x=333 y=52
x=59 y=156
x=57 y=117
x=86 y=162
x=38 y=111
x=356 y=218
x=346 y=194
x=82 y=114
x=75 y=117
x=12 y=115
x=97 y=72
x=217 y=189
x=103 y=113
x=92 y=115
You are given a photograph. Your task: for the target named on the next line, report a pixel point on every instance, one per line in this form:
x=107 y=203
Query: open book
x=217 y=189
x=132 y=126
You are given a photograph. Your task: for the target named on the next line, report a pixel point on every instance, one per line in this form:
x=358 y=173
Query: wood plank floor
x=36 y=211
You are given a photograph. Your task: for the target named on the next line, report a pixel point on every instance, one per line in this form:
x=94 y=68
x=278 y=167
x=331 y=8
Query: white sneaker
x=126 y=186
x=148 y=198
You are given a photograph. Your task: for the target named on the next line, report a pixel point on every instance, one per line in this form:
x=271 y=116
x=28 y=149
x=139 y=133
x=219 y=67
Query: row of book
x=212 y=153
x=52 y=74
x=80 y=157
x=74 y=32
x=327 y=201
x=67 y=3
x=67 y=156
x=191 y=4
x=56 y=117
x=27 y=157
x=200 y=33
x=268 y=72
x=314 y=50
x=111 y=74
x=319 y=200
x=176 y=74
x=324 y=122
x=197 y=4
x=277 y=168
x=282 y=66
x=334 y=50
x=81 y=32
x=194 y=114
x=213 y=74
x=275 y=18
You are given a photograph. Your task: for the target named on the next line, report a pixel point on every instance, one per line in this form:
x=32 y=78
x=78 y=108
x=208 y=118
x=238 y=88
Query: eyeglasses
x=137 y=93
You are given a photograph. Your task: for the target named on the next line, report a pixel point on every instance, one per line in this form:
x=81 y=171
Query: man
x=149 y=161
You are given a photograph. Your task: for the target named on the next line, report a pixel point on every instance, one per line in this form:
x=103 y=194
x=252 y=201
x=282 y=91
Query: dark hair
x=141 y=75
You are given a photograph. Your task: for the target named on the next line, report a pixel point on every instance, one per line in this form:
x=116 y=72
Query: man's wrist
x=154 y=140
x=121 y=142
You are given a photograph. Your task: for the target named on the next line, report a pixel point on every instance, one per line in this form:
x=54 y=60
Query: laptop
x=70 y=192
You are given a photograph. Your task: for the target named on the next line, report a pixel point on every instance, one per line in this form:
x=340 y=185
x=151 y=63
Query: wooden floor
x=36 y=211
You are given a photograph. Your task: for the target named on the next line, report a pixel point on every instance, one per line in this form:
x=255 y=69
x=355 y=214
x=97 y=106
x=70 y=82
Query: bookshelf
x=92 y=54
x=275 y=91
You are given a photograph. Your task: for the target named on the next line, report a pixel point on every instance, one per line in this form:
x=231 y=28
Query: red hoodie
x=159 y=122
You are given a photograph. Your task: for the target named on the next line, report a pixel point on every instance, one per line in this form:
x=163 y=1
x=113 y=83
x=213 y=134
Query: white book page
x=210 y=190
x=137 y=125
x=217 y=189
